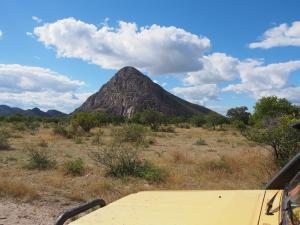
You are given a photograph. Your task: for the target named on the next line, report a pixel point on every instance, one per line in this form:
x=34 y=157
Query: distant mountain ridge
x=129 y=91
x=6 y=111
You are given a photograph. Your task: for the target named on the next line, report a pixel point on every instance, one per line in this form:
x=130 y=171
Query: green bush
x=149 y=117
x=4 y=144
x=68 y=131
x=280 y=136
x=198 y=120
x=74 y=167
x=133 y=133
x=97 y=137
x=200 y=141
x=19 y=126
x=123 y=161
x=85 y=120
x=151 y=173
x=39 y=160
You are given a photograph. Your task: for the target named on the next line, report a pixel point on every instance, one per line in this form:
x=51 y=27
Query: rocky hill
x=129 y=91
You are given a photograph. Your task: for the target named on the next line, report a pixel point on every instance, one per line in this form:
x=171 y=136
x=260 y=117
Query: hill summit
x=129 y=91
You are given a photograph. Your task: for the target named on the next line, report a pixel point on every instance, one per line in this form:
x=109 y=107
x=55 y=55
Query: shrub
x=151 y=172
x=20 y=126
x=4 y=144
x=198 y=120
x=200 y=141
x=69 y=131
x=149 y=117
x=122 y=162
x=39 y=160
x=74 y=167
x=97 y=137
x=284 y=140
x=85 y=120
x=133 y=133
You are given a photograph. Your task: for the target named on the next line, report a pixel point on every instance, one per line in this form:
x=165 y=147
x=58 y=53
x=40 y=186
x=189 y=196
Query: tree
x=268 y=108
x=239 y=114
x=281 y=137
x=149 y=117
x=198 y=120
x=215 y=119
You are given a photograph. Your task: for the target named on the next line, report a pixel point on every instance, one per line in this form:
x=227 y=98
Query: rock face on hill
x=129 y=91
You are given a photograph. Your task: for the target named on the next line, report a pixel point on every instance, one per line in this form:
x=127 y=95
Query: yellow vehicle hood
x=180 y=208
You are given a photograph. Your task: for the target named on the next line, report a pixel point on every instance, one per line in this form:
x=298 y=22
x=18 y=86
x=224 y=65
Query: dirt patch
x=12 y=212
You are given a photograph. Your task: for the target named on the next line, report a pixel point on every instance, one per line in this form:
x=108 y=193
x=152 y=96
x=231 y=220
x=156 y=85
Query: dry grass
x=223 y=163
x=17 y=189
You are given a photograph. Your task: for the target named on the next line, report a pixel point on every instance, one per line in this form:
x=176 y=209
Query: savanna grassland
x=44 y=171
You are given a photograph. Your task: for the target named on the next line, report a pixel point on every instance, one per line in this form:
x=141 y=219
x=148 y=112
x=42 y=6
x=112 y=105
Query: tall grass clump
x=121 y=161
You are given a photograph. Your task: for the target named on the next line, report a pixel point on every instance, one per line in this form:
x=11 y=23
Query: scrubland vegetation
x=85 y=156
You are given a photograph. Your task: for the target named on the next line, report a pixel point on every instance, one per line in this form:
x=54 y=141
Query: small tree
x=239 y=114
x=215 y=119
x=198 y=120
x=283 y=139
x=268 y=108
x=149 y=117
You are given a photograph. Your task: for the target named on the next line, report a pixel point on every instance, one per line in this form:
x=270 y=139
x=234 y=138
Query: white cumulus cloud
x=19 y=78
x=28 y=87
x=1 y=33
x=155 y=49
x=199 y=94
x=266 y=80
x=250 y=76
x=282 y=35
x=217 y=67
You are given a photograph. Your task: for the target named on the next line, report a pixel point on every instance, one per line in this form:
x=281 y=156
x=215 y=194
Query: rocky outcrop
x=129 y=91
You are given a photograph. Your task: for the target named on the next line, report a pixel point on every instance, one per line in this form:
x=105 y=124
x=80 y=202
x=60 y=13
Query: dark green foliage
x=85 y=120
x=72 y=130
x=198 y=120
x=268 y=108
x=74 y=167
x=149 y=117
x=38 y=159
x=123 y=161
x=239 y=114
x=284 y=140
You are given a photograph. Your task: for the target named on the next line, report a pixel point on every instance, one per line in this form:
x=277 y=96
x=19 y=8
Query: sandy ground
x=28 y=213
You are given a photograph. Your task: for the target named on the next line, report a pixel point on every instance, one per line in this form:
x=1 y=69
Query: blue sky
x=53 y=54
